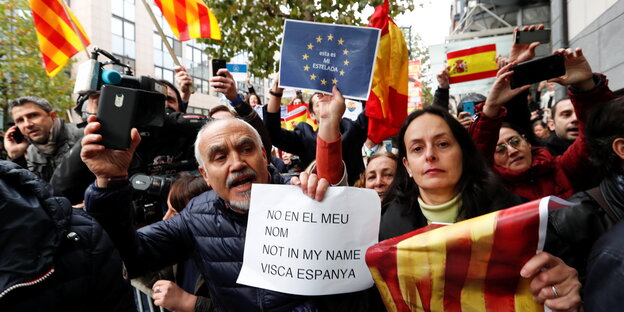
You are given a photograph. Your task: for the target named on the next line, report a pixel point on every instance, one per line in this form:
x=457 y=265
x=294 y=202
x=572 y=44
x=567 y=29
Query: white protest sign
x=297 y=245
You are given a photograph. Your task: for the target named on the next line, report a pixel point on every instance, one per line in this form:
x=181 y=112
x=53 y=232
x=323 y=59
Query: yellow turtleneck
x=446 y=212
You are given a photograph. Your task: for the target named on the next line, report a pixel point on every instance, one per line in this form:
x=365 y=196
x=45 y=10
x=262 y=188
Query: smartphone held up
x=538 y=70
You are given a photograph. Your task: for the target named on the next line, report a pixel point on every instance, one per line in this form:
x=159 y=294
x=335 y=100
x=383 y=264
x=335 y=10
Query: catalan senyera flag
x=386 y=107
x=472 y=64
x=473 y=265
x=189 y=19
x=58 y=41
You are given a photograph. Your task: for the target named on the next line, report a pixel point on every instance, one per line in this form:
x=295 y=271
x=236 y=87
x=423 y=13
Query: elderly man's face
x=233 y=160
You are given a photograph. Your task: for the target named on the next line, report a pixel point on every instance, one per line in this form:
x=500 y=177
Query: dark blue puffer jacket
x=54 y=257
x=208 y=232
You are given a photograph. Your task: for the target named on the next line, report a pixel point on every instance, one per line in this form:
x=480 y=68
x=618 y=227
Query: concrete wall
x=596 y=26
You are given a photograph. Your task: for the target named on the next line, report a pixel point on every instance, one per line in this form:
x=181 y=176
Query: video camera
x=145 y=95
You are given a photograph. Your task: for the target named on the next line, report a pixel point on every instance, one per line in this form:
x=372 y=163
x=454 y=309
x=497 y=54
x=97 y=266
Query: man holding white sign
x=211 y=230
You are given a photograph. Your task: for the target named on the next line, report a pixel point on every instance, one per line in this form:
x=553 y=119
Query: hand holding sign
x=297 y=245
x=317 y=56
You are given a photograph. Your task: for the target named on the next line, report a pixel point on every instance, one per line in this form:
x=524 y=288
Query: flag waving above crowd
x=59 y=33
x=387 y=106
x=189 y=19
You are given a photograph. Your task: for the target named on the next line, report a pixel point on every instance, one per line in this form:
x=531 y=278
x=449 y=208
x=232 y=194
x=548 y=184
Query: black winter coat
x=302 y=141
x=206 y=231
x=54 y=257
x=572 y=231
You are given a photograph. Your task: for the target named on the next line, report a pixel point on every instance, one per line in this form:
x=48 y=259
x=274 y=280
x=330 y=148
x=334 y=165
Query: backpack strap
x=596 y=194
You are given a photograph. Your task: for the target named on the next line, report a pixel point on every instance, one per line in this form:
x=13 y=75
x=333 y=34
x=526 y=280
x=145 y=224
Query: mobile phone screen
x=537 y=70
x=216 y=65
x=469 y=107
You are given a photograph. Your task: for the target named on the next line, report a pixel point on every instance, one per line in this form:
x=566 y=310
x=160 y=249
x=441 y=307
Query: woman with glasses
x=528 y=171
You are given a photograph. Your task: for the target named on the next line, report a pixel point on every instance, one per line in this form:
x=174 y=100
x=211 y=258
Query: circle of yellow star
x=346 y=62
x=323 y=81
x=313 y=77
x=310 y=46
x=340 y=41
x=306 y=68
x=330 y=37
x=342 y=73
x=345 y=51
x=319 y=39
x=334 y=81
x=305 y=56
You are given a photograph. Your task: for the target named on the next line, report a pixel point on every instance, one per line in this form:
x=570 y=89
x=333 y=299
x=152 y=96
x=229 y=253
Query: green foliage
x=255 y=26
x=21 y=65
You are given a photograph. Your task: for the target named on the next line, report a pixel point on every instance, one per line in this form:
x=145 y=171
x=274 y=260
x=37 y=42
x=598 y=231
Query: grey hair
x=40 y=102
x=213 y=123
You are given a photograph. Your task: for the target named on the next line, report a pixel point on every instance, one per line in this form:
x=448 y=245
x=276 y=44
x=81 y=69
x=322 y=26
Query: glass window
x=117 y=6
x=117 y=27
x=129 y=49
x=118 y=45
x=158 y=58
x=129 y=30
x=168 y=75
x=123 y=30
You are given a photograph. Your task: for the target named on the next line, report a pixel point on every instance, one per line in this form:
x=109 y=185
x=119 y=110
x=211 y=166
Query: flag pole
x=165 y=40
x=73 y=25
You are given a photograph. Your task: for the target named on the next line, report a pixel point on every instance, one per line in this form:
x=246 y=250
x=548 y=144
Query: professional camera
x=152 y=191
x=148 y=95
x=157 y=185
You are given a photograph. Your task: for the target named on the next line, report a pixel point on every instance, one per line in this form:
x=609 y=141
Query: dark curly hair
x=476 y=185
x=605 y=123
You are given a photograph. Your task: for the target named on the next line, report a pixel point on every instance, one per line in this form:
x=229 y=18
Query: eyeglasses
x=514 y=142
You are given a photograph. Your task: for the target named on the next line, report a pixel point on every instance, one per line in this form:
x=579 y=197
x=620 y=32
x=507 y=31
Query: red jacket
x=548 y=175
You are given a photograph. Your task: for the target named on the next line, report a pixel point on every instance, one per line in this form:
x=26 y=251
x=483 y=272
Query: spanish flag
x=189 y=19
x=57 y=39
x=386 y=107
x=298 y=113
x=473 y=265
x=472 y=64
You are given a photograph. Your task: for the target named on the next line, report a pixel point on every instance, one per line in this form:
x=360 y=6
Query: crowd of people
x=447 y=164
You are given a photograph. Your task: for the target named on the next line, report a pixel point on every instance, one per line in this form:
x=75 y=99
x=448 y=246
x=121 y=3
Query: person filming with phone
x=532 y=172
x=40 y=139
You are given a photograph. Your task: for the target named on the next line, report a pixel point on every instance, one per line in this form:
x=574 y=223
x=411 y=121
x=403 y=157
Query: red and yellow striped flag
x=472 y=64
x=473 y=265
x=386 y=107
x=189 y=19
x=57 y=39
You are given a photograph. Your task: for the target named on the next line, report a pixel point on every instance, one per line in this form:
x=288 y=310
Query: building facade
x=124 y=28
x=597 y=27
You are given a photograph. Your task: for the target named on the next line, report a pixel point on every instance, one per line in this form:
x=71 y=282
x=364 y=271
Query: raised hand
x=522 y=52
x=578 y=71
x=501 y=92
x=184 y=82
x=443 y=78
x=225 y=85
x=106 y=163
x=311 y=185
x=331 y=109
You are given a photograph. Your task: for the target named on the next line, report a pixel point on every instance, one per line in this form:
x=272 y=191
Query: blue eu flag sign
x=317 y=56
